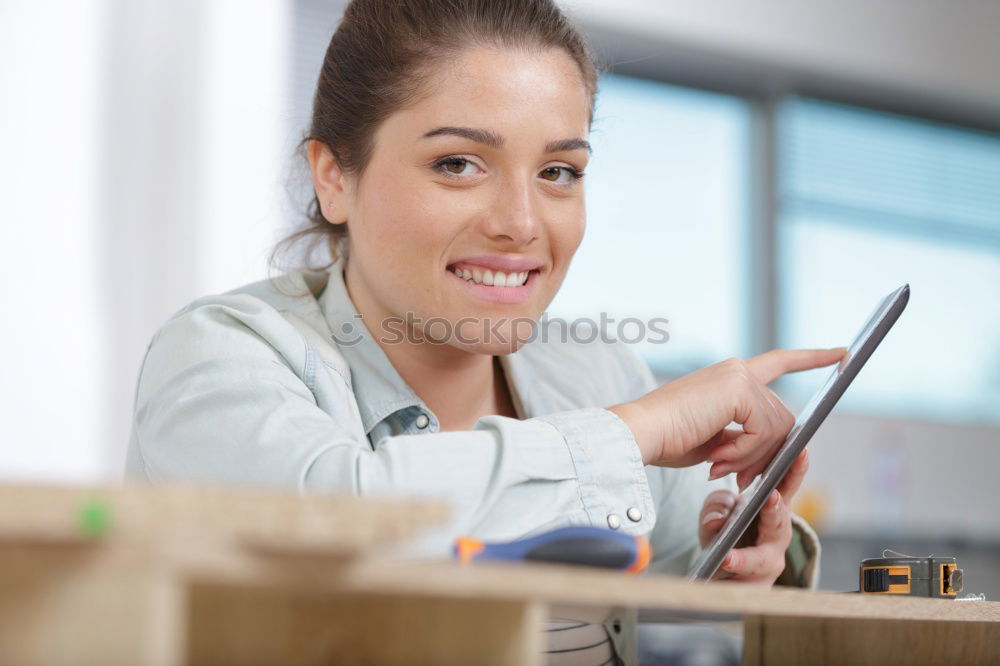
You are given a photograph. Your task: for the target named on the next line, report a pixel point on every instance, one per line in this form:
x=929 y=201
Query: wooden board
x=597 y=587
x=240 y=624
x=262 y=518
x=208 y=575
x=780 y=641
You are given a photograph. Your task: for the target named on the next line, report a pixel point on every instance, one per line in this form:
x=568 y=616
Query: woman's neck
x=458 y=386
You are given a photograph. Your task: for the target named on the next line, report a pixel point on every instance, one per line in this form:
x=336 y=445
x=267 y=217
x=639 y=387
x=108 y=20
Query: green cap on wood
x=94 y=517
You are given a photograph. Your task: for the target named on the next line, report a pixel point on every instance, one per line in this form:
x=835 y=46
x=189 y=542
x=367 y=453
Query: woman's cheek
x=566 y=240
x=573 y=228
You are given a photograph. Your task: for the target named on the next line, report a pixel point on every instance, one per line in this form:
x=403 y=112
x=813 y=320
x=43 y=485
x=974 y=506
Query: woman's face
x=477 y=178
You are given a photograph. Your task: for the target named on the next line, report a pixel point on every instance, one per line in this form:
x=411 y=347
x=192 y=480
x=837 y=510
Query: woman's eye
x=456 y=167
x=561 y=175
x=453 y=166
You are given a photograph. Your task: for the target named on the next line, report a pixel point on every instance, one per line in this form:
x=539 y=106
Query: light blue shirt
x=252 y=387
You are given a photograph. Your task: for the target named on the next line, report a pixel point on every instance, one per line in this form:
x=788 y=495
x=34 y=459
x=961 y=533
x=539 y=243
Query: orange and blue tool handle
x=588 y=546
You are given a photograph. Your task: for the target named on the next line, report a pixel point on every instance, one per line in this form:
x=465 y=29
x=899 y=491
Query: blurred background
x=763 y=173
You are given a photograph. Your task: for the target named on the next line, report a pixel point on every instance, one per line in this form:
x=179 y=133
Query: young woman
x=447 y=149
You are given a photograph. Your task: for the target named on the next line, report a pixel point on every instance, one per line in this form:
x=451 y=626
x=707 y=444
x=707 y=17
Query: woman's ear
x=330 y=183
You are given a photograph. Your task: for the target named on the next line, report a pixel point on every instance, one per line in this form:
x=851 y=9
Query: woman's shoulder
x=290 y=291
x=272 y=316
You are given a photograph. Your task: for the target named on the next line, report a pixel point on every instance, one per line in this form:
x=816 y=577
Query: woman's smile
x=498 y=278
x=496 y=287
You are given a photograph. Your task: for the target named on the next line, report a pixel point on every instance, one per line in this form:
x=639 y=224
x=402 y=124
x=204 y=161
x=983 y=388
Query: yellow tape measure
x=937 y=577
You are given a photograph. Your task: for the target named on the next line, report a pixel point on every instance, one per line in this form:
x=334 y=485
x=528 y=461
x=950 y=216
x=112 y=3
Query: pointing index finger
x=770 y=365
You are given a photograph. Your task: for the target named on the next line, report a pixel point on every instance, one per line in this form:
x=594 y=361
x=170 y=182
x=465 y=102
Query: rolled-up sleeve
x=609 y=469
x=224 y=397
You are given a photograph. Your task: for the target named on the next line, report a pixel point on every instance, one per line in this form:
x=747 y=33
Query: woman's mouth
x=495 y=286
x=491 y=278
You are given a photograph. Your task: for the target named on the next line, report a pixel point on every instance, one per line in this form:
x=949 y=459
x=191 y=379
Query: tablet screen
x=752 y=499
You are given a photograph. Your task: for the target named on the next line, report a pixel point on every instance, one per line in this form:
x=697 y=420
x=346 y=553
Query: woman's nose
x=515 y=215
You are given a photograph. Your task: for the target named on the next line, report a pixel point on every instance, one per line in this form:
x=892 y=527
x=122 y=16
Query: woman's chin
x=506 y=337
x=491 y=348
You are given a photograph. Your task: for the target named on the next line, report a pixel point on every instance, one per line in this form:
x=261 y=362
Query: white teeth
x=489 y=278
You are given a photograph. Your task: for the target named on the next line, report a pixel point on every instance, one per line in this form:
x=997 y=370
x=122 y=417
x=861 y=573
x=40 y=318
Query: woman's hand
x=684 y=422
x=763 y=562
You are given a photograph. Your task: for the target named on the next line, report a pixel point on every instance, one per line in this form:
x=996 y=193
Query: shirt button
x=422 y=421
x=614 y=522
x=633 y=514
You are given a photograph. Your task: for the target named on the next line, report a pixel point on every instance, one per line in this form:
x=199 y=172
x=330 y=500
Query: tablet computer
x=751 y=500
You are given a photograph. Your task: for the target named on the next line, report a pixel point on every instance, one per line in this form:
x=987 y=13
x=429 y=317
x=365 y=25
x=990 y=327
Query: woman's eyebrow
x=494 y=140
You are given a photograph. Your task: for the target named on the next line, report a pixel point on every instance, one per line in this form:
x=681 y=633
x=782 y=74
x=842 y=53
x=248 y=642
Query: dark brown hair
x=380 y=58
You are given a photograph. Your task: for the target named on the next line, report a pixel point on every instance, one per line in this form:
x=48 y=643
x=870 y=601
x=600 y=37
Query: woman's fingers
x=765 y=430
x=750 y=472
x=793 y=479
x=752 y=463
x=714 y=513
x=745 y=478
x=684 y=421
x=765 y=561
x=703 y=452
x=717 y=501
x=753 y=564
x=750 y=455
x=788 y=486
x=772 y=520
x=773 y=364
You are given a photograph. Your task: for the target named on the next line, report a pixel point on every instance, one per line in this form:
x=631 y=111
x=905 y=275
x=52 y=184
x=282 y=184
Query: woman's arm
x=228 y=394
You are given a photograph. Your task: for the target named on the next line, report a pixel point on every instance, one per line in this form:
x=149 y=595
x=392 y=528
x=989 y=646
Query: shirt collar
x=377 y=385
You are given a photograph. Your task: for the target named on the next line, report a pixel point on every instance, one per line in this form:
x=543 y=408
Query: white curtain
x=144 y=152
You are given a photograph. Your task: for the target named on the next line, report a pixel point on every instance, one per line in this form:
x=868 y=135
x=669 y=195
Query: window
x=868 y=201
x=667 y=223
